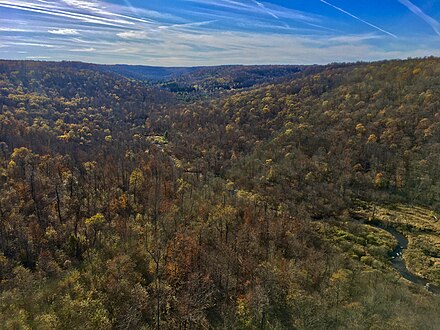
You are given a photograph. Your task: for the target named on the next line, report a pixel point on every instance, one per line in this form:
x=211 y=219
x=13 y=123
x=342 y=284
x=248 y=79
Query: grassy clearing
x=366 y=246
x=423 y=256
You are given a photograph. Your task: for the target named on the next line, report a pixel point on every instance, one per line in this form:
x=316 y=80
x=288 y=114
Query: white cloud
x=65 y=32
x=186 y=25
x=82 y=50
x=38 y=57
x=33 y=44
x=135 y=35
x=354 y=38
x=8 y=29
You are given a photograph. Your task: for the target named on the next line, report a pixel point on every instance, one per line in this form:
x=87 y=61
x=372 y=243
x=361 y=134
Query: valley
x=231 y=197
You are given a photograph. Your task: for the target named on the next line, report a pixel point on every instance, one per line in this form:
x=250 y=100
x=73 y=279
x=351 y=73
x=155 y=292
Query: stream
x=399 y=263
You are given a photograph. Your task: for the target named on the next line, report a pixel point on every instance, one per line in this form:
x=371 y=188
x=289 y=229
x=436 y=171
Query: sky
x=215 y=32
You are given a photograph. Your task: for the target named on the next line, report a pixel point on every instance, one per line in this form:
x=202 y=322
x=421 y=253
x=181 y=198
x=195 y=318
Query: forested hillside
x=361 y=130
x=211 y=78
x=125 y=206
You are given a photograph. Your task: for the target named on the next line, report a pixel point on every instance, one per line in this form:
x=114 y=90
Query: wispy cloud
x=38 y=57
x=359 y=19
x=82 y=50
x=257 y=13
x=354 y=38
x=99 y=9
x=11 y=29
x=136 y=35
x=34 y=44
x=257 y=7
x=428 y=19
x=186 y=25
x=64 y=32
x=196 y=32
x=92 y=12
x=62 y=13
x=91 y=6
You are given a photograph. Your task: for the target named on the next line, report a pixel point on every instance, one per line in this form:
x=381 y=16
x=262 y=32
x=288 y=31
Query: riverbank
x=398 y=261
x=417 y=231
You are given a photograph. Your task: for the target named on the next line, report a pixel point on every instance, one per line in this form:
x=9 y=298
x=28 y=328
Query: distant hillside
x=225 y=78
x=192 y=81
x=204 y=80
x=149 y=73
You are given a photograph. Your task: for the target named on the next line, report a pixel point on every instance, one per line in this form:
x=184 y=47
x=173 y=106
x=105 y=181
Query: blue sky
x=209 y=32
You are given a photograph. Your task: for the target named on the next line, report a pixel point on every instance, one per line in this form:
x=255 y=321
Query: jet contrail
x=259 y=4
x=428 y=19
x=359 y=19
x=62 y=13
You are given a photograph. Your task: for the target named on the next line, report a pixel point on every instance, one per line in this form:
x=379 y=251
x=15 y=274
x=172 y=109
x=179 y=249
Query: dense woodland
x=131 y=204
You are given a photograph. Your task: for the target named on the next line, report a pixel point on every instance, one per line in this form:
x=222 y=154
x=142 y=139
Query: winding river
x=399 y=263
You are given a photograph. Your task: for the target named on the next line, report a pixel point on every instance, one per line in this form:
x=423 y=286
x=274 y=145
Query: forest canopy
x=218 y=198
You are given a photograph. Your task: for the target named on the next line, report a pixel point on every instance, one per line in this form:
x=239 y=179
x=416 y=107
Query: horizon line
x=218 y=65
